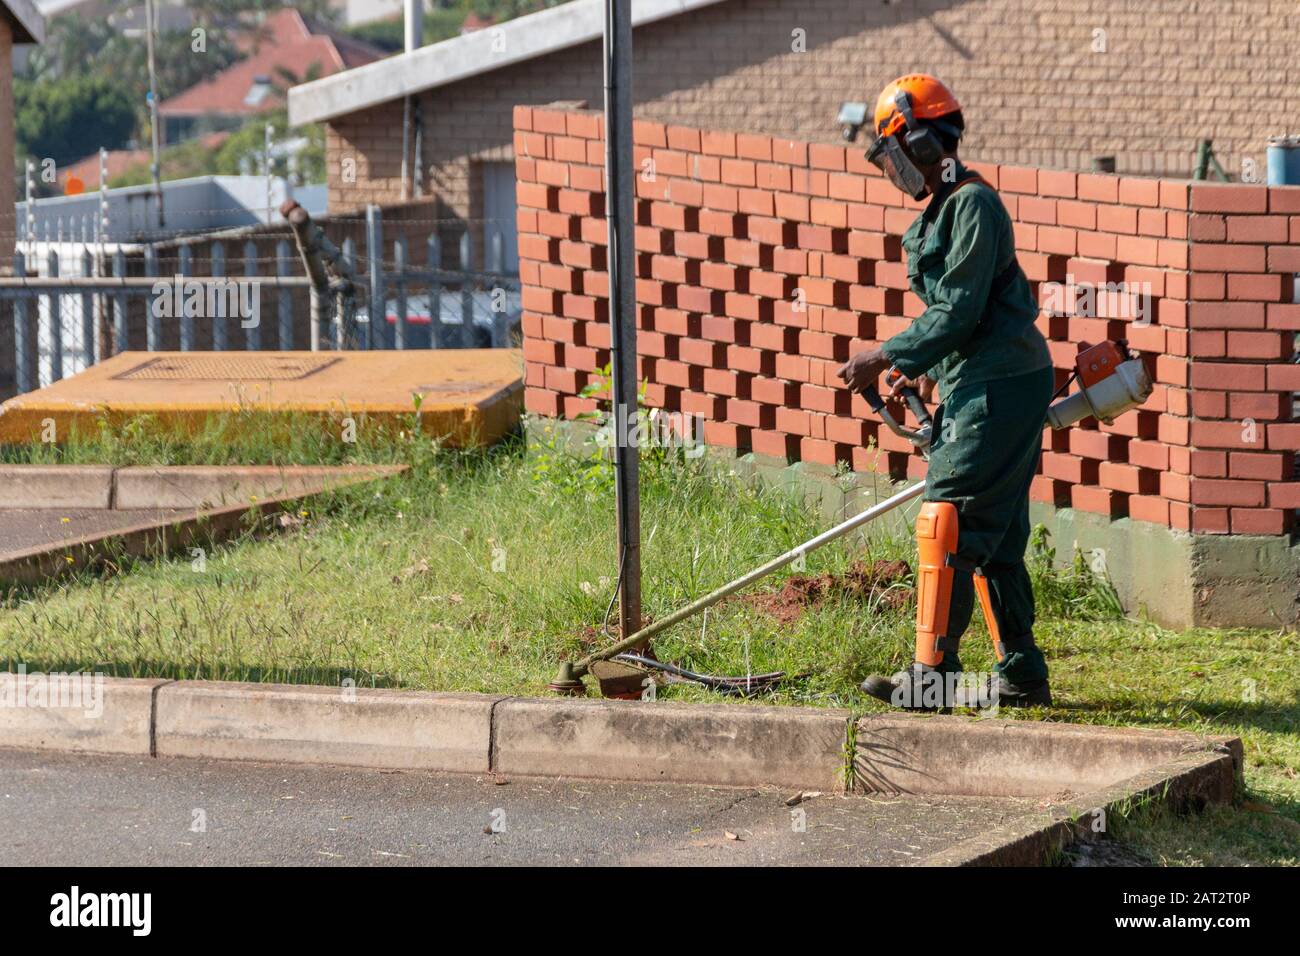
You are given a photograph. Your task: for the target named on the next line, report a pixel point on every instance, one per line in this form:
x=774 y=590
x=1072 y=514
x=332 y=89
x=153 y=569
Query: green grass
x=480 y=570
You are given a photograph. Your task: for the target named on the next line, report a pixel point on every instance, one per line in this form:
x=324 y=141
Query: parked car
x=487 y=307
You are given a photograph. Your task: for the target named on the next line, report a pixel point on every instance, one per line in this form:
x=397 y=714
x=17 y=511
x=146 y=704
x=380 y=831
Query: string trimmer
x=1111 y=382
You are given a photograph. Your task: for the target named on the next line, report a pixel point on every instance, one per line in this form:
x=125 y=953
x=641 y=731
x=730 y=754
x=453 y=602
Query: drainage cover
x=227 y=367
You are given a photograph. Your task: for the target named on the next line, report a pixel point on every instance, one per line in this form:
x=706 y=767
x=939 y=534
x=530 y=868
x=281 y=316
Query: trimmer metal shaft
x=573 y=672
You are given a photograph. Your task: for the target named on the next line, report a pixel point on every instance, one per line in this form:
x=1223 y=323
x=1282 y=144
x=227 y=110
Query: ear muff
x=922 y=141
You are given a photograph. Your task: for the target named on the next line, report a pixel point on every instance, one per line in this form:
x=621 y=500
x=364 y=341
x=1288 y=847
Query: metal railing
x=74 y=304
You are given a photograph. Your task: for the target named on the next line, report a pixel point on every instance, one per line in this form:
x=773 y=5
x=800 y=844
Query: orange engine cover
x=1095 y=362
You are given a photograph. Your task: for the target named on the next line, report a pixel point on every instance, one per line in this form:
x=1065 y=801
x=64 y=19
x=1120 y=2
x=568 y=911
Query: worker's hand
x=923 y=384
x=863 y=369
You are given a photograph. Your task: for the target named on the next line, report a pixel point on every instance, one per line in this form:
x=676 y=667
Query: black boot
x=920 y=687
x=1020 y=678
x=1032 y=693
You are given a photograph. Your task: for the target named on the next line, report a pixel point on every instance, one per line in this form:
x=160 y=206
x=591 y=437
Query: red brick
x=1284 y=494
x=1094 y=444
x=1208 y=464
x=1053 y=182
x=848 y=431
x=1018 y=179
x=753 y=146
x=820 y=452
x=1221 y=491
x=818 y=237
x=1139 y=192
x=1254 y=287
x=1098 y=187
x=1284 y=258
x=1257 y=228
x=1228 y=197
x=1230 y=376
x=774 y=391
x=1174 y=194
x=1257 y=467
x=1099 y=501
x=1070 y=468
x=750 y=414
x=1204 y=227
x=1284 y=436
x=1128 y=478
x=1259 y=521
x=727 y=435
x=774 y=444
x=541 y=402
x=826 y=157
x=1147 y=454
x=1055 y=239
x=1077 y=215
x=543 y=351
x=1037 y=209
x=1151 y=508
x=683 y=138
x=1228 y=435
x=794 y=421
x=1210 y=520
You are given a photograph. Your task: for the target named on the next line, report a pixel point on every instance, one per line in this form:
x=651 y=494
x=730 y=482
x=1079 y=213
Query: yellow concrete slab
x=468 y=395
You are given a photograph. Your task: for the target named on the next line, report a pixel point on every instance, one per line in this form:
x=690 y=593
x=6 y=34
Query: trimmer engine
x=1111 y=381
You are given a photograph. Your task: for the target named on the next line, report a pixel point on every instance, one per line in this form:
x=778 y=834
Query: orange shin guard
x=986 y=607
x=936 y=538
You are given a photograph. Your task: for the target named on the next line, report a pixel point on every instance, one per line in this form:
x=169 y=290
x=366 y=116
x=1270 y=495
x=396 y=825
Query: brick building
x=19 y=23
x=1051 y=83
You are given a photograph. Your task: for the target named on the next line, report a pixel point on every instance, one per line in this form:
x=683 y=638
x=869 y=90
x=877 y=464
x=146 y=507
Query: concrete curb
x=388 y=729
x=56 y=486
x=973 y=756
x=77 y=712
x=718 y=744
x=1075 y=769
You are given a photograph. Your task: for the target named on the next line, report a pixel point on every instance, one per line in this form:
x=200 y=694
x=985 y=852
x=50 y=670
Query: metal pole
x=270 y=131
x=156 y=165
x=414 y=40
x=619 y=184
x=30 y=226
x=23 y=332
x=102 y=307
x=377 y=335
x=186 y=269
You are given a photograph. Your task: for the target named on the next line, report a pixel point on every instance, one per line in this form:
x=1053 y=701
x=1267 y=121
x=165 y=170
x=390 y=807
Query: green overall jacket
x=974 y=329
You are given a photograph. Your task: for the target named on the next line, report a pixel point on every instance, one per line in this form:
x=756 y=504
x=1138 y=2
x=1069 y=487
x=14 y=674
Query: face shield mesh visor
x=887 y=155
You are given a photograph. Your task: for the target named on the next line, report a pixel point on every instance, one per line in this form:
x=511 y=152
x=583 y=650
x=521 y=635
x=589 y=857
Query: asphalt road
x=83 y=810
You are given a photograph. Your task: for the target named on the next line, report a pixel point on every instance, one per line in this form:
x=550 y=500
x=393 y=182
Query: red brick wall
x=731 y=226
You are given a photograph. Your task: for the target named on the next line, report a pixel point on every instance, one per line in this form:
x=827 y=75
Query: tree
x=70 y=117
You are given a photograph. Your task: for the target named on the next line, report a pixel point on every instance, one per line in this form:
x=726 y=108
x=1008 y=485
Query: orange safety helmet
x=903 y=110
x=929 y=99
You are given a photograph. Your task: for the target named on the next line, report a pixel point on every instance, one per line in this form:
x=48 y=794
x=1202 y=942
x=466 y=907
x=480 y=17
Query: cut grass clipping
x=479 y=570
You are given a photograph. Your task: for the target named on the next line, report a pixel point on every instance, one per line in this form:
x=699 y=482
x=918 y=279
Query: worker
x=976 y=340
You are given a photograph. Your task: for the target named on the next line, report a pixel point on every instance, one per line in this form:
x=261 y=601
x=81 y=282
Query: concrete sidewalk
x=22 y=529
x=66 y=810
x=57 y=518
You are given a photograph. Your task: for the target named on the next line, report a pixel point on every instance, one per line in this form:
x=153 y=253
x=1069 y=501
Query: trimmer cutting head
x=567 y=683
